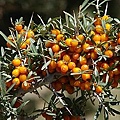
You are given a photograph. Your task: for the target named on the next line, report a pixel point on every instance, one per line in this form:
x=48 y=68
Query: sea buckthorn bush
x=77 y=58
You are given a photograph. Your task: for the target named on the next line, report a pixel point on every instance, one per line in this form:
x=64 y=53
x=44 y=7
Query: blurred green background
x=46 y=9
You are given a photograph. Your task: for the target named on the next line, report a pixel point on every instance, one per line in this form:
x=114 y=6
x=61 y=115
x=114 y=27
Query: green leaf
x=84 y=3
x=2 y=51
x=13 y=101
x=117 y=20
x=115 y=111
x=106 y=114
x=10 y=88
x=45 y=65
x=98 y=112
x=33 y=48
x=66 y=13
x=2 y=85
x=6 y=38
x=21 y=106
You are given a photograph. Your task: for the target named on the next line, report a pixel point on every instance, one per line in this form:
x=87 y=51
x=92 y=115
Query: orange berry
x=64 y=68
x=78 y=49
x=23 y=70
x=60 y=63
x=68 y=41
x=55 y=48
x=28 y=41
x=72 y=81
x=16 y=62
x=86 y=77
x=108 y=26
x=82 y=60
x=109 y=53
x=87 y=85
x=30 y=34
x=55 y=31
x=25 y=85
x=85 y=47
x=23 y=45
x=22 y=77
x=66 y=58
x=77 y=83
x=97 y=21
x=103 y=37
x=96 y=37
x=18 y=27
x=82 y=86
x=74 y=43
x=16 y=81
x=99 y=29
x=105 y=17
x=84 y=67
x=81 y=37
x=98 y=89
x=93 y=55
x=75 y=56
x=15 y=72
x=52 y=64
x=118 y=40
x=71 y=65
x=105 y=66
x=76 y=70
x=59 y=37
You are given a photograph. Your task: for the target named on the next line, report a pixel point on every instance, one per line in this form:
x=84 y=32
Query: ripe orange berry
x=87 y=85
x=82 y=60
x=59 y=37
x=118 y=40
x=105 y=66
x=77 y=83
x=55 y=48
x=97 y=21
x=22 y=77
x=98 y=89
x=28 y=41
x=16 y=62
x=15 y=72
x=16 y=81
x=23 y=70
x=93 y=55
x=80 y=37
x=99 y=29
x=105 y=17
x=66 y=58
x=109 y=53
x=75 y=56
x=103 y=37
x=85 y=47
x=71 y=65
x=60 y=63
x=108 y=26
x=25 y=85
x=30 y=34
x=64 y=68
x=96 y=37
x=74 y=43
x=84 y=67
x=72 y=81
x=52 y=64
x=18 y=27
x=86 y=77
x=55 y=31
x=23 y=45
x=68 y=41
x=76 y=70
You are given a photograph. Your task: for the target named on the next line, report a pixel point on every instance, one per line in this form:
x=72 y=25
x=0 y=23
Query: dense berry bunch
x=78 y=58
